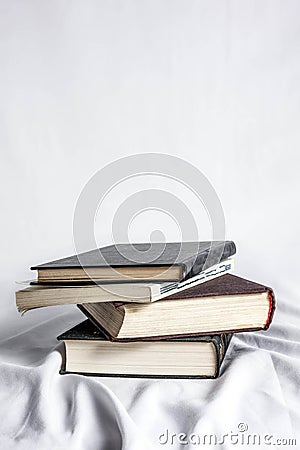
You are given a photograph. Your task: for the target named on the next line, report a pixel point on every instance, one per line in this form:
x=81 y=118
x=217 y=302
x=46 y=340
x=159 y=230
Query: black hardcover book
x=87 y=351
x=173 y=261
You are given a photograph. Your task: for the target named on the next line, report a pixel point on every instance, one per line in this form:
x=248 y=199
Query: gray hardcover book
x=173 y=261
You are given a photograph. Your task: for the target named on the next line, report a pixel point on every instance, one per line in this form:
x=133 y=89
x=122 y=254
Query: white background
x=84 y=83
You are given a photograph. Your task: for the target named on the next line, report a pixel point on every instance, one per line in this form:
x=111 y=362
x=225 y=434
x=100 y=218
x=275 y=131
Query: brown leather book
x=88 y=352
x=227 y=304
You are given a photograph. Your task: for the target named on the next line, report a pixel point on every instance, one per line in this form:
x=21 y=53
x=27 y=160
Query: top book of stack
x=142 y=262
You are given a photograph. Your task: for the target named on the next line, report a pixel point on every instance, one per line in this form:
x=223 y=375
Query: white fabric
x=40 y=409
x=83 y=83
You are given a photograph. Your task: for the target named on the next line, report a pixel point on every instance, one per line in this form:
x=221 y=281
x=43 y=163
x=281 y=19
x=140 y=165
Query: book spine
x=221 y=343
x=272 y=307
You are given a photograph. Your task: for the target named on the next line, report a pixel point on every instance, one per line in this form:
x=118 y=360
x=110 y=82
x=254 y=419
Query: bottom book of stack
x=88 y=351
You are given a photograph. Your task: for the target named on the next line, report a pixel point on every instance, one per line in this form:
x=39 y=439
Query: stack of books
x=168 y=312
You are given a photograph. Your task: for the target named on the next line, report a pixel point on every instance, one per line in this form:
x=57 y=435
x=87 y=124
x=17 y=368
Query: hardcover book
x=175 y=261
x=226 y=304
x=87 y=351
x=42 y=295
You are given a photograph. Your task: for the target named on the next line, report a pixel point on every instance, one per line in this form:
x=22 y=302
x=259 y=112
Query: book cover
x=192 y=257
x=226 y=285
x=88 y=331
